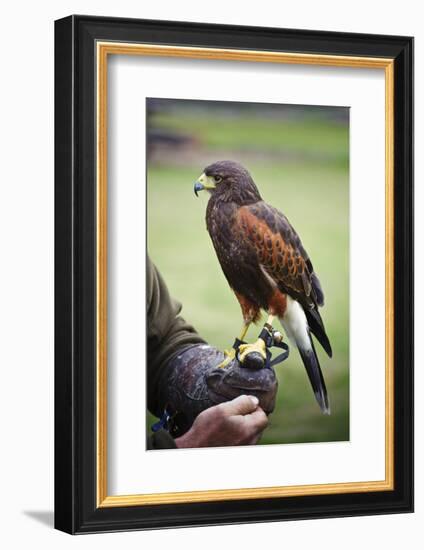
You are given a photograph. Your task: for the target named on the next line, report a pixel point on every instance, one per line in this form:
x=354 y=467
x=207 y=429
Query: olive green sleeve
x=161 y=440
x=167 y=333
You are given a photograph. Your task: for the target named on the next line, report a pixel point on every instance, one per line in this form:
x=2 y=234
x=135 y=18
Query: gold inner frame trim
x=103 y=50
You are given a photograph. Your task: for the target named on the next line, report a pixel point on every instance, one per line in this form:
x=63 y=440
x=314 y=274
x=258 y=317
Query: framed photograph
x=234 y=274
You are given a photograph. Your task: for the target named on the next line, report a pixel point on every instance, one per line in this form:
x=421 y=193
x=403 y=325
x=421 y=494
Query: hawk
x=266 y=266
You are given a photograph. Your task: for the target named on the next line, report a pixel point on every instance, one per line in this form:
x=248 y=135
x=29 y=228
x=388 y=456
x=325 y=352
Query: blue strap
x=162 y=423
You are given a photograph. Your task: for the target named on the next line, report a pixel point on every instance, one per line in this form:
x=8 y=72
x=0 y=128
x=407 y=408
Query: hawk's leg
x=258 y=347
x=231 y=354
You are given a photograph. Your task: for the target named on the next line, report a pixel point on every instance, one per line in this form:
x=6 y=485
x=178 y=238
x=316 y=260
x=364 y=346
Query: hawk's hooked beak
x=204 y=182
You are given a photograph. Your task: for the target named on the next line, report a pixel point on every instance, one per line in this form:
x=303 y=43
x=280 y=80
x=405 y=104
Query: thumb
x=243 y=404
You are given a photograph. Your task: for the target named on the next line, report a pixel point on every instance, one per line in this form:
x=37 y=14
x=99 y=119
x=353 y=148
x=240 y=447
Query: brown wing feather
x=280 y=252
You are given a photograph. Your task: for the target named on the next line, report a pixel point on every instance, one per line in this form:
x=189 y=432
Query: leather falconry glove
x=193 y=382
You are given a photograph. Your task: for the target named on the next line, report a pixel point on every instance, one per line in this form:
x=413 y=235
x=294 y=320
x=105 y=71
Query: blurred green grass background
x=298 y=156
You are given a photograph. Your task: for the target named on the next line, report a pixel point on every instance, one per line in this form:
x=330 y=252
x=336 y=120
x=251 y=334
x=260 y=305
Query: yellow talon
x=229 y=356
x=258 y=346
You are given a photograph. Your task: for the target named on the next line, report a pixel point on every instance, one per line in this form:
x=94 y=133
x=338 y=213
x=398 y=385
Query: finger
x=241 y=405
x=257 y=420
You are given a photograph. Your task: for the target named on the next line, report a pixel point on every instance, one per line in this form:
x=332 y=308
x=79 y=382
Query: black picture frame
x=76 y=509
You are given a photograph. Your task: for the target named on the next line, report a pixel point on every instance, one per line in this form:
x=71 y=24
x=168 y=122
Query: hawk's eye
x=217 y=179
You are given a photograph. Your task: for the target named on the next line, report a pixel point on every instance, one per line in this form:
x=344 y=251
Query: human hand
x=237 y=422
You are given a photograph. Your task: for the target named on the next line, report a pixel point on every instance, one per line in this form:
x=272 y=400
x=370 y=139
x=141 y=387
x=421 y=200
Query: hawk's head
x=228 y=181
